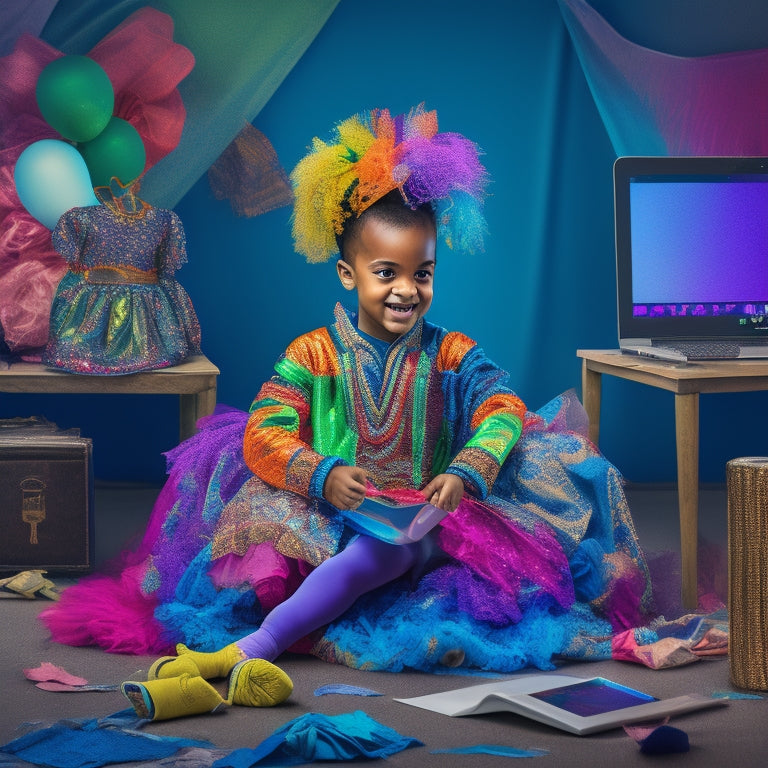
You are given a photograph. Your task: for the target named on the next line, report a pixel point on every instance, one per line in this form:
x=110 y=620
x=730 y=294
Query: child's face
x=392 y=269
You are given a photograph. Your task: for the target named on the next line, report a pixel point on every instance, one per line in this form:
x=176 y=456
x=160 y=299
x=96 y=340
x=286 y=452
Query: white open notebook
x=574 y=704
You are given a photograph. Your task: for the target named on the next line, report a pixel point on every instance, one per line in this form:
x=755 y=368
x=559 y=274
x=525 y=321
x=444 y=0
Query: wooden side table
x=194 y=381
x=686 y=380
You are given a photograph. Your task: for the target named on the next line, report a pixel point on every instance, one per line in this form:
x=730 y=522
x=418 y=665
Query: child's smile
x=402 y=309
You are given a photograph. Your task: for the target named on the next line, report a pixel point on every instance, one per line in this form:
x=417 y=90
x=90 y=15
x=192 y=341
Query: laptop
x=692 y=257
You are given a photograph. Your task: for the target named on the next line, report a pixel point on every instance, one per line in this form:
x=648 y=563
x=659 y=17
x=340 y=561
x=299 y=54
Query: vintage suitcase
x=46 y=498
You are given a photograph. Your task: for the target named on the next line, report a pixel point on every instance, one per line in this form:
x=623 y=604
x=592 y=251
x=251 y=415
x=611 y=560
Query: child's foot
x=258 y=683
x=173 y=697
x=197 y=663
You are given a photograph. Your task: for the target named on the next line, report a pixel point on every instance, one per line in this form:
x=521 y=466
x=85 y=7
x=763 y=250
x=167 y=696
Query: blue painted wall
x=505 y=75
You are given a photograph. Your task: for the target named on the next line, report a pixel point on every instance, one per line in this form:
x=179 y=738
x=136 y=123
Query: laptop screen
x=691 y=247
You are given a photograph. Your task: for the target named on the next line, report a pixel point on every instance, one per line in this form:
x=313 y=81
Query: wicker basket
x=747 y=487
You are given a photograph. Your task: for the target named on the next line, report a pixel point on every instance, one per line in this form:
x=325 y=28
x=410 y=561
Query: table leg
x=687 y=436
x=591 y=384
x=192 y=408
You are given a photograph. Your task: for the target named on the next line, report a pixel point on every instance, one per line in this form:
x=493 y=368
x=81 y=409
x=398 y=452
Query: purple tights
x=365 y=564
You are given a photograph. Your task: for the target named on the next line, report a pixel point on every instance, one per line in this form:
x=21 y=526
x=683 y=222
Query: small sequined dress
x=118 y=308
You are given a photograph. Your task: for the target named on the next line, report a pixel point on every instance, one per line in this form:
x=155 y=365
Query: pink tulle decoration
x=270 y=574
x=112 y=612
x=23 y=290
x=20 y=120
x=30 y=270
x=145 y=66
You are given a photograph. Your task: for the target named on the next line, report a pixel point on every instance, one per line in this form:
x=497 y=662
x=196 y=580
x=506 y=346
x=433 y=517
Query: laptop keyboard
x=710 y=350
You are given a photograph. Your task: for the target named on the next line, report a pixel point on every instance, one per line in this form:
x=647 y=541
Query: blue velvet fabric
x=316 y=737
x=91 y=743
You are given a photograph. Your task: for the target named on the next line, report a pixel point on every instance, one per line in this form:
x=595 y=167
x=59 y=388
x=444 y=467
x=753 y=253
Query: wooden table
x=687 y=381
x=194 y=381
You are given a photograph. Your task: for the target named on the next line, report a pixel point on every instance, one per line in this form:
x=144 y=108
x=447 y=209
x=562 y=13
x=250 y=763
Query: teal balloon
x=117 y=151
x=75 y=97
x=51 y=177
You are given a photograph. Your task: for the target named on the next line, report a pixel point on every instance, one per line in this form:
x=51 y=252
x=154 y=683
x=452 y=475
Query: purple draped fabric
x=654 y=103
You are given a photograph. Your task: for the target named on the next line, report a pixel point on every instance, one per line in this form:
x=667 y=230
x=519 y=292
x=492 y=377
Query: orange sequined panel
x=315 y=352
x=498 y=404
x=270 y=450
x=455 y=345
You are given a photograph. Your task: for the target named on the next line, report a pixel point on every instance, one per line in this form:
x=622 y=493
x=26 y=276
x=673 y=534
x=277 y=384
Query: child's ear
x=346 y=274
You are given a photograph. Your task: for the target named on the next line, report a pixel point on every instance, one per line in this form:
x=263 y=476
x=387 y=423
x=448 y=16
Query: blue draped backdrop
x=506 y=75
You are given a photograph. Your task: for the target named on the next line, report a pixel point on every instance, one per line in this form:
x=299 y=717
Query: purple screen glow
x=699 y=248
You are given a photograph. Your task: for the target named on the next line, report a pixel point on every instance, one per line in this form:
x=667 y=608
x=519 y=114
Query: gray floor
x=734 y=735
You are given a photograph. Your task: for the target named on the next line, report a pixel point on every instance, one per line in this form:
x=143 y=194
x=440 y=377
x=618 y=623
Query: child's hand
x=345 y=487
x=444 y=491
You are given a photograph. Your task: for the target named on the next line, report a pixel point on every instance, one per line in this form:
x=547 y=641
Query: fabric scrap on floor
x=47 y=671
x=735 y=695
x=659 y=738
x=28 y=584
x=49 y=677
x=664 y=644
x=192 y=757
x=347 y=690
x=317 y=737
x=94 y=742
x=490 y=749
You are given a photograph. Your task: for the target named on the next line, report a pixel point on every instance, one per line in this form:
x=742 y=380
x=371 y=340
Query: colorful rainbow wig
x=371 y=154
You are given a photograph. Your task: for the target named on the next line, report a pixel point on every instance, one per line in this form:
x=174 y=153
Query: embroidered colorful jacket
x=436 y=403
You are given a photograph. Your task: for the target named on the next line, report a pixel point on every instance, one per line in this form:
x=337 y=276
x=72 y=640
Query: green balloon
x=117 y=151
x=75 y=96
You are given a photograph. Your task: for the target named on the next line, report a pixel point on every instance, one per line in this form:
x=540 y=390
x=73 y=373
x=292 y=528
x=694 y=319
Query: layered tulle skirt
x=547 y=566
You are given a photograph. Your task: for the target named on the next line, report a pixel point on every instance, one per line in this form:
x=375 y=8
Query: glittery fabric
x=539 y=560
x=334 y=400
x=118 y=309
x=308 y=531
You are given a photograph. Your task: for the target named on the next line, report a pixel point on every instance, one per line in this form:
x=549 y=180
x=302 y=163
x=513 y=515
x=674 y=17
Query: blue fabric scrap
x=735 y=695
x=94 y=742
x=313 y=737
x=490 y=749
x=348 y=690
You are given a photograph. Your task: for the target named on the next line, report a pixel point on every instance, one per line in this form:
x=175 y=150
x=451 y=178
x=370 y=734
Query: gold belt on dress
x=120 y=275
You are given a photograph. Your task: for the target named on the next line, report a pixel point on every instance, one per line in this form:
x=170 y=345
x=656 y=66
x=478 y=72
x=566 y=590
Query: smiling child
x=249 y=553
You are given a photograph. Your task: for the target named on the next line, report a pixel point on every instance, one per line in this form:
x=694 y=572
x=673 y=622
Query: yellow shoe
x=196 y=663
x=173 y=697
x=258 y=683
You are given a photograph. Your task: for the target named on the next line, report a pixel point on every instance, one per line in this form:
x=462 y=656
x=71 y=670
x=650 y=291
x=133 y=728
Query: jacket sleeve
x=490 y=416
x=278 y=436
